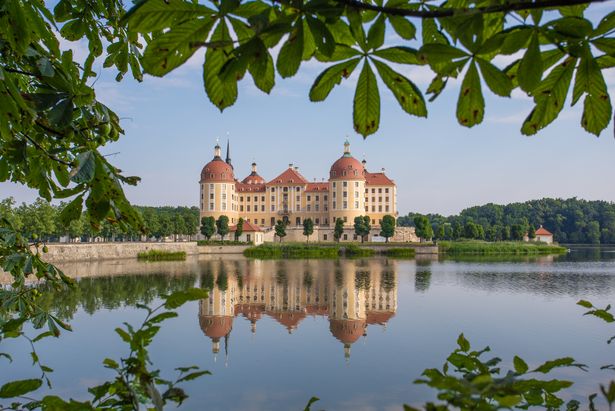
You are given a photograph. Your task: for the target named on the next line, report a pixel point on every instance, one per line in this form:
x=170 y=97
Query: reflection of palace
x=352 y=293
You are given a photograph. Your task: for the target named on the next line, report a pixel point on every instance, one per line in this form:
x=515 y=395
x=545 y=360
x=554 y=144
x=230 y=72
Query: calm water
x=355 y=333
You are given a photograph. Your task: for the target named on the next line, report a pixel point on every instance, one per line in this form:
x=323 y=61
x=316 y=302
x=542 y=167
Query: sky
x=438 y=165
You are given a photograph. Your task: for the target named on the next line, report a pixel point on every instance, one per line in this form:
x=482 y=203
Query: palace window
x=263 y=199
x=334 y=194
x=334 y=205
x=315 y=207
x=241 y=208
x=373 y=221
x=373 y=190
x=285 y=189
x=263 y=208
x=366 y=208
x=344 y=173
x=356 y=194
x=298 y=207
x=298 y=189
x=379 y=208
x=317 y=221
x=324 y=237
x=255 y=198
x=223 y=196
x=223 y=206
x=373 y=208
x=248 y=199
x=345 y=194
x=386 y=199
x=373 y=199
x=334 y=184
x=386 y=209
x=272 y=198
x=326 y=207
x=345 y=205
x=273 y=189
x=248 y=208
x=298 y=198
x=356 y=204
x=272 y=207
x=386 y=190
x=345 y=183
x=380 y=190
x=223 y=187
x=380 y=199
x=211 y=206
x=317 y=198
x=263 y=220
x=345 y=236
x=309 y=198
x=211 y=196
x=356 y=183
x=326 y=198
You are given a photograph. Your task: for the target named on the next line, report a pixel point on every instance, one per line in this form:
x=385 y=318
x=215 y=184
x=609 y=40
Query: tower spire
x=228 y=153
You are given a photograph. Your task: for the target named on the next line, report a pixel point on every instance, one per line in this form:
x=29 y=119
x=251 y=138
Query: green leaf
x=560 y=362
x=549 y=96
x=193 y=376
x=471 y=104
x=18 y=388
x=463 y=343
x=171 y=49
x=401 y=55
x=312 y=400
x=262 y=70
x=333 y=75
x=440 y=53
x=606 y=24
x=530 y=67
x=606 y=45
x=405 y=91
x=85 y=169
x=520 y=365
x=403 y=27
x=162 y=317
x=221 y=93
x=179 y=298
x=152 y=15
x=323 y=39
x=72 y=211
x=366 y=107
x=376 y=32
x=496 y=80
x=291 y=53
x=585 y=303
x=74 y=30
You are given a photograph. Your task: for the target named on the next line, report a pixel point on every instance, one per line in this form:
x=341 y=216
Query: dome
x=217 y=171
x=216 y=326
x=346 y=168
x=347 y=331
x=253 y=178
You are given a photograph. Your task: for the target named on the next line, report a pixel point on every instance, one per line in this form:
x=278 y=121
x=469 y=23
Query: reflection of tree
x=387 y=280
x=94 y=293
x=308 y=279
x=281 y=277
x=239 y=277
x=339 y=276
x=222 y=281
x=207 y=280
x=362 y=280
x=422 y=280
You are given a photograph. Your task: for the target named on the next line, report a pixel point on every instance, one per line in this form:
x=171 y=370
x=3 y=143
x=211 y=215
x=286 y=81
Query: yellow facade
x=349 y=192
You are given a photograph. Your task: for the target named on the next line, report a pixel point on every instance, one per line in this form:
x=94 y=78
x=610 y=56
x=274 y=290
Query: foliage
x=162 y=255
x=222 y=243
x=387 y=227
x=308 y=228
x=280 y=229
x=423 y=228
x=362 y=226
x=239 y=229
x=338 y=229
x=468 y=382
x=571 y=221
x=399 y=252
x=504 y=247
x=208 y=227
x=292 y=250
x=222 y=226
x=353 y=250
x=456 y=38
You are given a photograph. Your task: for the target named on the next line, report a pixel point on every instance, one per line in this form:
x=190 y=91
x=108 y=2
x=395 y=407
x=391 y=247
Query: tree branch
x=51 y=156
x=505 y=7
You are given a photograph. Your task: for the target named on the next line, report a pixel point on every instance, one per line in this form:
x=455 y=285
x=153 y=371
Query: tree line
x=570 y=220
x=41 y=219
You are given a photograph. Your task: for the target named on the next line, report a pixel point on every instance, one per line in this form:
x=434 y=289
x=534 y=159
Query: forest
x=570 y=220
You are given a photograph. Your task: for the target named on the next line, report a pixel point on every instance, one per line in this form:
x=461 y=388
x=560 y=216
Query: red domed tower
x=346 y=188
x=218 y=189
x=253 y=177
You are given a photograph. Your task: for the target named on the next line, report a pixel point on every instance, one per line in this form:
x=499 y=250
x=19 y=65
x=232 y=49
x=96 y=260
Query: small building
x=544 y=235
x=251 y=233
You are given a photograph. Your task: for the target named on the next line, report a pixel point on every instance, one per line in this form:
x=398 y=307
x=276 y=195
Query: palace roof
x=253 y=178
x=346 y=168
x=217 y=171
x=255 y=188
x=347 y=331
x=289 y=176
x=216 y=326
x=317 y=187
x=378 y=179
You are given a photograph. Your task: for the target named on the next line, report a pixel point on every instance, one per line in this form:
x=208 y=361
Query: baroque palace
x=350 y=191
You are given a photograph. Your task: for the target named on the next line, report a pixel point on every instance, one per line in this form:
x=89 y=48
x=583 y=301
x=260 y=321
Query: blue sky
x=439 y=166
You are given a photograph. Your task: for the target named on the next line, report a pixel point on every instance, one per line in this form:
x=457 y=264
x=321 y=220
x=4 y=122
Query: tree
x=517 y=232
x=280 y=229
x=308 y=228
x=531 y=233
x=222 y=226
x=387 y=227
x=208 y=227
x=362 y=226
x=338 y=230
x=423 y=227
x=239 y=229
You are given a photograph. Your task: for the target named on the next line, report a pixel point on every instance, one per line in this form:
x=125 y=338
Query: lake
x=355 y=333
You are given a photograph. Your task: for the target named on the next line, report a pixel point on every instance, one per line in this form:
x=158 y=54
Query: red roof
x=247 y=227
x=217 y=170
x=253 y=178
x=347 y=331
x=542 y=231
x=290 y=176
x=216 y=326
x=378 y=179
x=346 y=168
x=317 y=187
x=243 y=187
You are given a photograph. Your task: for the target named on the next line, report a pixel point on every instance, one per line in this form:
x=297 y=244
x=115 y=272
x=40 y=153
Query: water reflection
x=352 y=294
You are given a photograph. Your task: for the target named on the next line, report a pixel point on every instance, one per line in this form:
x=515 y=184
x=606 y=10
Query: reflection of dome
x=217 y=170
x=347 y=331
x=316 y=310
x=216 y=326
x=379 y=317
x=249 y=311
x=347 y=167
x=289 y=319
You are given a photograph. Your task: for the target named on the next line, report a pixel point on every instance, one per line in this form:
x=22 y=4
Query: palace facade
x=350 y=191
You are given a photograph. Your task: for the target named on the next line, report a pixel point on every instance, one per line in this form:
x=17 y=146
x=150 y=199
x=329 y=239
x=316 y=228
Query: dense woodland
x=42 y=220
x=571 y=221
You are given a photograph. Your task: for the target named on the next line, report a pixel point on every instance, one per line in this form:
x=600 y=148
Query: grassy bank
x=160 y=255
x=503 y=247
x=292 y=250
x=399 y=252
x=225 y=242
x=353 y=250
